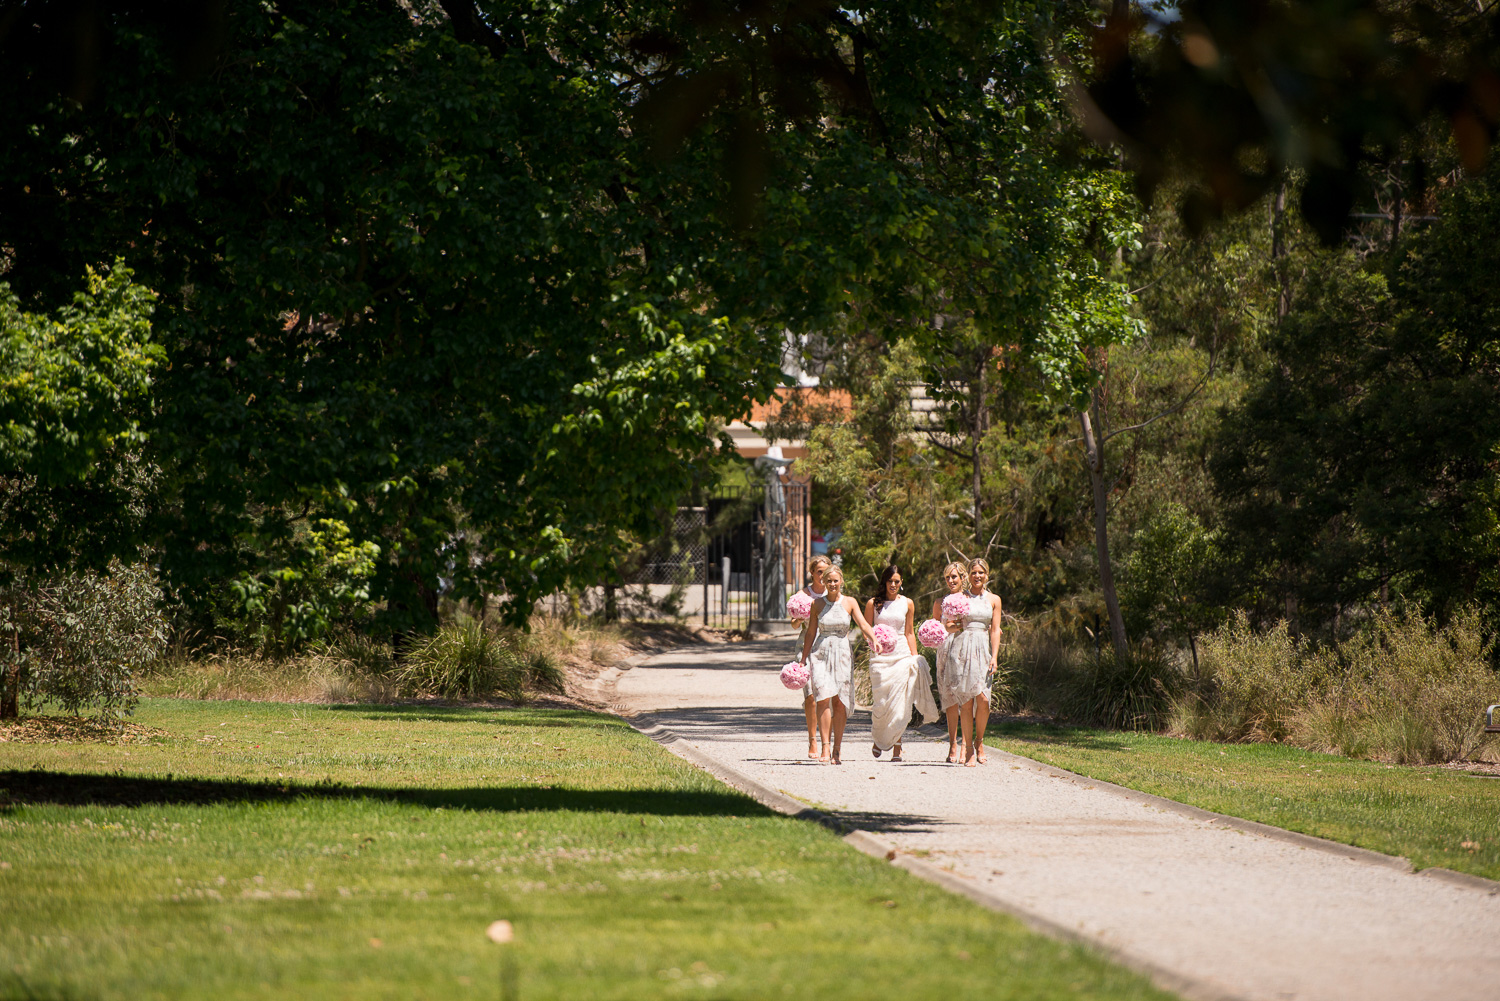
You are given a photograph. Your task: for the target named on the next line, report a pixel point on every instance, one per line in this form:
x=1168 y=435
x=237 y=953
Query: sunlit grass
x=249 y=850
x=1433 y=816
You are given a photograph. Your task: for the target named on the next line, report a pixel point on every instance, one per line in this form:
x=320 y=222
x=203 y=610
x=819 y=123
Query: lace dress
x=967 y=665
x=830 y=663
x=898 y=680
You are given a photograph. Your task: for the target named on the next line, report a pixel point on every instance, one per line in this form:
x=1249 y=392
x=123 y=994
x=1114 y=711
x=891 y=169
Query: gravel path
x=1215 y=911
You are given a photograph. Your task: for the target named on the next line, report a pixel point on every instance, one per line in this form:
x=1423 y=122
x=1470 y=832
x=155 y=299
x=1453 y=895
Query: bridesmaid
x=954 y=575
x=815 y=568
x=899 y=679
x=972 y=656
x=830 y=661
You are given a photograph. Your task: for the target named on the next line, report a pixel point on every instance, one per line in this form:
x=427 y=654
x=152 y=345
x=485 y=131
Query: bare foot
x=836 y=759
x=812 y=751
x=896 y=753
x=970 y=761
x=823 y=758
x=952 y=754
x=979 y=753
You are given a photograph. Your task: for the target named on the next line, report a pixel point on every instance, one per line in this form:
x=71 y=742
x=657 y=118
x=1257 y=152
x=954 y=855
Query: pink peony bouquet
x=794 y=675
x=932 y=633
x=798 y=608
x=955 y=606
x=885 y=639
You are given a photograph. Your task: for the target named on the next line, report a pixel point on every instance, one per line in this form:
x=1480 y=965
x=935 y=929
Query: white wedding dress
x=899 y=680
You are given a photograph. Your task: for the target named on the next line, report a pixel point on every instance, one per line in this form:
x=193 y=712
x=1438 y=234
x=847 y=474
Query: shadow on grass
x=497 y=715
x=36 y=787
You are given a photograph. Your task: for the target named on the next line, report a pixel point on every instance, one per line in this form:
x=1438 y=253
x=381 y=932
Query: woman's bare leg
x=840 y=717
x=825 y=723
x=966 y=718
x=966 y=722
x=896 y=752
x=981 y=719
x=810 y=709
x=952 y=712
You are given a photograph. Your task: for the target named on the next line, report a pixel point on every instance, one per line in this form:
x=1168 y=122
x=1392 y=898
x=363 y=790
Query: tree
x=1355 y=470
x=74 y=390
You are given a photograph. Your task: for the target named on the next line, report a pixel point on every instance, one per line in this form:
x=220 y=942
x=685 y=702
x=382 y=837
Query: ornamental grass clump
x=464 y=659
x=1134 y=692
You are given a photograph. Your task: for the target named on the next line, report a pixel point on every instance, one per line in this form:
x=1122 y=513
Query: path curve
x=1213 y=910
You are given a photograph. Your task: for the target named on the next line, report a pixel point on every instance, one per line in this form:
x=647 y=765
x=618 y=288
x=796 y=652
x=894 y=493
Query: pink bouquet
x=794 y=675
x=932 y=633
x=885 y=639
x=955 y=606
x=799 y=607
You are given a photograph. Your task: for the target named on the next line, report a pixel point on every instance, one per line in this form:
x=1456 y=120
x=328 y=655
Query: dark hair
x=885 y=577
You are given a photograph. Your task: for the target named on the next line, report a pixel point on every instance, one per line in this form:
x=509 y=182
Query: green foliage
x=81 y=639
x=75 y=389
x=1168 y=576
x=1358 y=467
x=326 y=587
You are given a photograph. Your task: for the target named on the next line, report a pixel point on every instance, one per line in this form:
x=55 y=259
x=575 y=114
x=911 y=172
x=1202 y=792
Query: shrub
x=1403 y=690
x=1248 y=686
x=1134 y=692
x=466 y=660
x=80 y=639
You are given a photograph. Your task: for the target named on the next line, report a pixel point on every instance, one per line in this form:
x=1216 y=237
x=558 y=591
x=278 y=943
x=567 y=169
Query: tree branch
x=469 y=27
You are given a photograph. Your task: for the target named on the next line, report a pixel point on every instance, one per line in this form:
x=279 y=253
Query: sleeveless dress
x=898 y=680
x=814 y=595
x=967 y=664
x=941 y=656
x=830 y=663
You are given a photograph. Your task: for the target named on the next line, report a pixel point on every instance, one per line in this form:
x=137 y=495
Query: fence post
x=760 y=580
x=705 y=587
x=725 y=576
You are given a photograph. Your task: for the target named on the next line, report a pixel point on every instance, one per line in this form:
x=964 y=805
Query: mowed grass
x=256 y=850
x=1433 y=816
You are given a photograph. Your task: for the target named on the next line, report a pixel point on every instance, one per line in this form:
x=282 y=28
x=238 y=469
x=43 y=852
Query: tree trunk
x=611 y=605
x=10 y=686
x=1278 y=250
x=1093 y=445
x=978 y=482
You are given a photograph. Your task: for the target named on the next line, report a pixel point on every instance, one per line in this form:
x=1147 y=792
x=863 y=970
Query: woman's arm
x=854 y=613
x=994 y=630
x=812 y=629
x=911 y=627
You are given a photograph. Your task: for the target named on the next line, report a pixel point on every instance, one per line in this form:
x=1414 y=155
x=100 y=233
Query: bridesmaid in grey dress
x=971 y=660
x=830 y=660
x=954 y=578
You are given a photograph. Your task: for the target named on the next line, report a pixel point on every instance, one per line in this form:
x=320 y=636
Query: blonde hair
x=955 y=565
x=832 y=569
x=818 y=561
x=979 y=564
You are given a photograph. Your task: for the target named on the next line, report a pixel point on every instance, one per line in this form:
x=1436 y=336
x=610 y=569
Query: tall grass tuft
x=1134 y=692
x=463 y=659
x=1248 y=685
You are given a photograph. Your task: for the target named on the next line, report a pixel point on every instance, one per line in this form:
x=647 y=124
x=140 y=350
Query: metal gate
x=739 y=553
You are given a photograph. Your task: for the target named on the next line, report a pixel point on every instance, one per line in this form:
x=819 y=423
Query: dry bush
x=1248 y=686
x=1404 y=690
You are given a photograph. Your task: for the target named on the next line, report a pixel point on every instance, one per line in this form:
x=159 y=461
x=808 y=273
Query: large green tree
x=481 y=282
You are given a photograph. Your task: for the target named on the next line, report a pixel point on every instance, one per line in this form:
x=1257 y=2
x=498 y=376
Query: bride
x=900 y=679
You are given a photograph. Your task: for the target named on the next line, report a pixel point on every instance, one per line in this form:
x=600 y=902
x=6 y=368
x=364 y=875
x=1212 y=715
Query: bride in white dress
x=900 y=679
x=830 y=661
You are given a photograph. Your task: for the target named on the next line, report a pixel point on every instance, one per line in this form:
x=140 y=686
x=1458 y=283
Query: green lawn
x=258 y=850
x=1425 y=814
